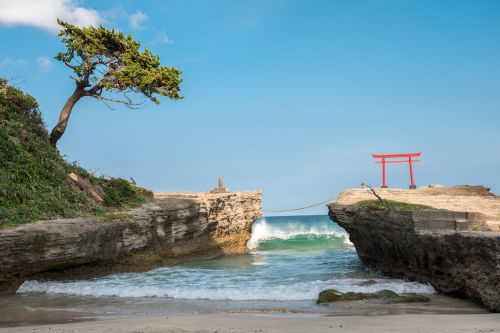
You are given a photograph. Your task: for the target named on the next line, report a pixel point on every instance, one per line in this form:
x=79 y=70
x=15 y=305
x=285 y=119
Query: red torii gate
x=410 y=162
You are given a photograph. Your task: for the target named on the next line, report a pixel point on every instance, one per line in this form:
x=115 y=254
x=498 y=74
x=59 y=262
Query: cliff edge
x=170 y=226
x=453 y=242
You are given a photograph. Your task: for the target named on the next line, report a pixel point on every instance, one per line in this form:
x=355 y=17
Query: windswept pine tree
x=104 y=60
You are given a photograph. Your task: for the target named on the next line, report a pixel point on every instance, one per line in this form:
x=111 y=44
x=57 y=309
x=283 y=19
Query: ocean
x=291 y=258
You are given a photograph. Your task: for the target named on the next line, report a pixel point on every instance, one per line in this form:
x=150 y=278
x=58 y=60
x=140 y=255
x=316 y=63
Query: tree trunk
x=59 y=129
x=84 y=184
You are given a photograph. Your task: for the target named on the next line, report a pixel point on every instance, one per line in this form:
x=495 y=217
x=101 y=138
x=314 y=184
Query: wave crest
x=262 y=231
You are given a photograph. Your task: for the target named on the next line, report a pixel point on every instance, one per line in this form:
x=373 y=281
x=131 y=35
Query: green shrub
x=120 y=193
x=33 y=175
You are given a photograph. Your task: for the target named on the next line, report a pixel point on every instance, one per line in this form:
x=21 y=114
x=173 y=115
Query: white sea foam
x=263 y=231
x=285 y=292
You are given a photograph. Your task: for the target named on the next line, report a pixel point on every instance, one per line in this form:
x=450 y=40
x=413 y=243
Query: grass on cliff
x=391 y=205
x=33 y=175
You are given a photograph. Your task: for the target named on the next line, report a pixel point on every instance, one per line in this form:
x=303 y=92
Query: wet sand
x=251 y=322
x=52 y=313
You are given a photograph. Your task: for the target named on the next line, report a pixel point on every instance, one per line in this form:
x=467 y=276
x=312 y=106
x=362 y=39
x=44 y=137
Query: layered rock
x=171 y=226
x=447 y=248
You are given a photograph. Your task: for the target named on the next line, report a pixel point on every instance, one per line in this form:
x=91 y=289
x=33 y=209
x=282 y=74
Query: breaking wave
x=300 y=236
x=303 y=290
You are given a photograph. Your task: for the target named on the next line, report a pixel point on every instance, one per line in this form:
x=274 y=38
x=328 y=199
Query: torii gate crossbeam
x=408 y=159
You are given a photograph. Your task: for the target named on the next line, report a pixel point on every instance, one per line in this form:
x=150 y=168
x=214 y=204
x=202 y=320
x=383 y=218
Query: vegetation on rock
x=391 y=205
x=33 y=175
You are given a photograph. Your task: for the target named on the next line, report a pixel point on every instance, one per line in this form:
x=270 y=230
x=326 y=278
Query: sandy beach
x=232 y=323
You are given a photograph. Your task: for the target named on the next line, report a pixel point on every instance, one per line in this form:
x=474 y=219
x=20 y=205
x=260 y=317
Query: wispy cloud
x=11 y=62
x=161 y=37
x=44 y=13
x=44 y=64
x=135 y=20
x=117 y=12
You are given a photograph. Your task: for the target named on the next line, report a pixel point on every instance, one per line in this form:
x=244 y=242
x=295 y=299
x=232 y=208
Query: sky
x=289 y=97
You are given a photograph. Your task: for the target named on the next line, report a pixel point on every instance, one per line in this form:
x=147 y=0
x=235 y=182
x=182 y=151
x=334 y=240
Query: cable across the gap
x=294 y=209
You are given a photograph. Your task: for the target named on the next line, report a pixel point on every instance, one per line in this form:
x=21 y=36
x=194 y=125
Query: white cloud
x=135 y=20
x=115 y=13
x=162 y=37
x=44 y=64
x=44 y=13
x=11 y=62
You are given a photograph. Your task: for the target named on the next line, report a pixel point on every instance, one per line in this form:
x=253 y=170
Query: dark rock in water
x=409 y=298
x=329 y=295
x=332 y=295
x=385 y=293
x=367 y=283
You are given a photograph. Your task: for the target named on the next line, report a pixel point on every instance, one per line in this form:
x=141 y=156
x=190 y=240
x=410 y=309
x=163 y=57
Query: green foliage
x=33 y=175
x=391 y=205
x=107 y=59
x=120 y=192
x=33 y=181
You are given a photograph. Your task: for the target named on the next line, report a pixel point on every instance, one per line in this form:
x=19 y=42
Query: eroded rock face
x=433 y=246
x=171 y=226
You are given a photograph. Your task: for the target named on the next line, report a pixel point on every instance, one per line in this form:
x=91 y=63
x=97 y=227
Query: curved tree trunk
x=59 y=129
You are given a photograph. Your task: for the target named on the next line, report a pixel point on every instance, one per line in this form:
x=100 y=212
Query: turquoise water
x=291 y=258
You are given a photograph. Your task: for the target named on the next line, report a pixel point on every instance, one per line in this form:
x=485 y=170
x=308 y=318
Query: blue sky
x=290 y=97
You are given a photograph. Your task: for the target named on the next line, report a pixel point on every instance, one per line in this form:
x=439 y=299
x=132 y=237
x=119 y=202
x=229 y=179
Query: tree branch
x=127 y=102
x=384 y=202
x=94 y=91
x=69 y=65
x=107 y=105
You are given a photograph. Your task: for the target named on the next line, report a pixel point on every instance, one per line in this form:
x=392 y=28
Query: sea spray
x=262 y=231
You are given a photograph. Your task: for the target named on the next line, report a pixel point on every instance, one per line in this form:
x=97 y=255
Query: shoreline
x=225 y=322
x=42 y=309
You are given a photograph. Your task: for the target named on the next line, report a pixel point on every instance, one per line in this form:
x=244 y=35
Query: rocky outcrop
x=171 y=226
x=445 y=248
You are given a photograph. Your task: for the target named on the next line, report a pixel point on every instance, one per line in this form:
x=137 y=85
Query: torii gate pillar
x=386 y=158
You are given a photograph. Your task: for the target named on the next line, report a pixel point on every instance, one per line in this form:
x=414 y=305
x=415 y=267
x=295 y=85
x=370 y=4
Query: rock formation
x=220 y=187
x=455 y=246
x=173 y=225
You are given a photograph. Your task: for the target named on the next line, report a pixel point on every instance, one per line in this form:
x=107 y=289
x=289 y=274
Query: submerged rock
x=332 y=295
x=409 y=298
x=367 y=283
x=329 y=295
